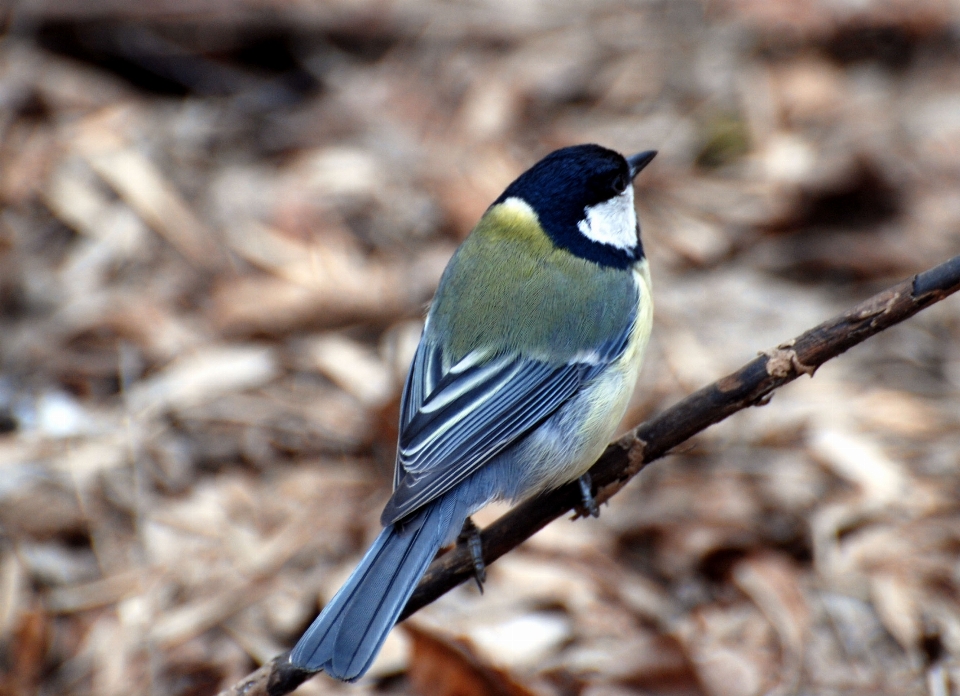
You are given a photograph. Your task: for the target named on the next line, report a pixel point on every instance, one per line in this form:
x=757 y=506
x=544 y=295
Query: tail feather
x=347 y=635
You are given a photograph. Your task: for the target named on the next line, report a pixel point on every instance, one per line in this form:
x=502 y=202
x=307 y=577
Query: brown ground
x=221 y=222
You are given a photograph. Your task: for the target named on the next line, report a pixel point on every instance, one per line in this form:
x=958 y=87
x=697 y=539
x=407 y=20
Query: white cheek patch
x=612 y=222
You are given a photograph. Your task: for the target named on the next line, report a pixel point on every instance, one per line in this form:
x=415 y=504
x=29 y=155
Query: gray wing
x=453 y=422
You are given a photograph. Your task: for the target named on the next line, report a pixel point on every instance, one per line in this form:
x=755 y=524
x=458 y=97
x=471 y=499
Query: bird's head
x=583 y=198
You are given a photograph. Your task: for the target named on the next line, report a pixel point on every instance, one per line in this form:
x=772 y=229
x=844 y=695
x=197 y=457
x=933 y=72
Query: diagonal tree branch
x=751 y=385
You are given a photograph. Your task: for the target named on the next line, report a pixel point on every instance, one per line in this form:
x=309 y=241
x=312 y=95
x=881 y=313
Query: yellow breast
x=601 y=406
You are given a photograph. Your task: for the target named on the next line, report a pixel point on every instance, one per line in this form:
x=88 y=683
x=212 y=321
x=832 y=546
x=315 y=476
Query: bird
x=529 y=354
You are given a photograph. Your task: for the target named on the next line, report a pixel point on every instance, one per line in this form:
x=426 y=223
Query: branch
x=751 y=385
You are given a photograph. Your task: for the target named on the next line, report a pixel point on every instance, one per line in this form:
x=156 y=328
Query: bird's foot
x=586 y=492
x=470 y=535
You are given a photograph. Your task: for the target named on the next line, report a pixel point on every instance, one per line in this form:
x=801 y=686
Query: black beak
x=639 y=161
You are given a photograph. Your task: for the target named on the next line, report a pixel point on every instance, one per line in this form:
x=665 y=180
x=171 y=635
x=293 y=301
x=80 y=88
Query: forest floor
x=220 y=224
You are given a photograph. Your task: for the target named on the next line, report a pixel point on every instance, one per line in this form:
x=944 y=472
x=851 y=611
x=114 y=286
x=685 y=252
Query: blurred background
x=221 y=223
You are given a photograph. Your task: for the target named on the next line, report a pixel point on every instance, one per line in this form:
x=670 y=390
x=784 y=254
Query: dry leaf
x=441 y=667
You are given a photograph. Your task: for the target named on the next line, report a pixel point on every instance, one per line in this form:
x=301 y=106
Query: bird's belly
x=570 y=441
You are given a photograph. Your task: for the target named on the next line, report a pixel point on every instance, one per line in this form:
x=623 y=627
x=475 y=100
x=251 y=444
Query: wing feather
x=452 y=422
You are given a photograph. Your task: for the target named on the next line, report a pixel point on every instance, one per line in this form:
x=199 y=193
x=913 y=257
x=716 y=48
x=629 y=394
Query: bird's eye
x=620 y=183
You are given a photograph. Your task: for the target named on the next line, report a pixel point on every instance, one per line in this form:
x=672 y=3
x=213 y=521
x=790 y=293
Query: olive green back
x=516 y=292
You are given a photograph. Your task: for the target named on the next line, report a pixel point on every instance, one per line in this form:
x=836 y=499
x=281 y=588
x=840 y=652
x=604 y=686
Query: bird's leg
x=470 y=534
x=586 y=492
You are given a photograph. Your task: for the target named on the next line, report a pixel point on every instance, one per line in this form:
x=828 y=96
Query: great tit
x=528 y=357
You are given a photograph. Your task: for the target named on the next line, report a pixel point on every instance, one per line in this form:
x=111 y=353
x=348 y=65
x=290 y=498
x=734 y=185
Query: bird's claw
x=586 y=492
x=471 y=535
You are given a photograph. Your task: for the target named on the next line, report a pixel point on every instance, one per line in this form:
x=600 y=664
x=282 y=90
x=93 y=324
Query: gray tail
x=347 y=635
